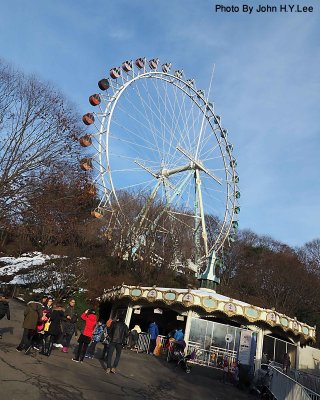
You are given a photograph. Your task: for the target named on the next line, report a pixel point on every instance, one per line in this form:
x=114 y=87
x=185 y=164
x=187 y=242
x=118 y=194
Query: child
x=97 y=334
x=225 y=370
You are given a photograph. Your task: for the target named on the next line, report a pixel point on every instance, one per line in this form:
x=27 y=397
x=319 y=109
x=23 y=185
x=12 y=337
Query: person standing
x=97 y=335
x=106 y=338
x=178 y=335
x=89 y=316
x=32 y=314
x=118 y=333
x=69 y=325
x=48 y=307
x=4 y=309
x=286 y=363
x=153 y=331
x=55 y=329
x=44 y=300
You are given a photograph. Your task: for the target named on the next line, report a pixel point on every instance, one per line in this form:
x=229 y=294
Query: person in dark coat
x=118 y=334
x=54 y=331
x=286 y=363
x=106 y=338
x=44 y=300
x=4 y=309
x=32 y=314
x=69 y=325
x=134 y=337
x=48 y=308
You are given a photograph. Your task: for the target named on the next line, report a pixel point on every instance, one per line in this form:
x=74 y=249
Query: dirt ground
x=139 y=376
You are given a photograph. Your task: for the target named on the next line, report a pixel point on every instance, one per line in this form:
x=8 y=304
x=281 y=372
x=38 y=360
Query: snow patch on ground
x=15 y=265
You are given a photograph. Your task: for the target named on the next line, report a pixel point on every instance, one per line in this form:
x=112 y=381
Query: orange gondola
x=97 y=213
x=94 y=100
x=90 y=189
x=88 y=119
x=85 y=141
x=86 y=164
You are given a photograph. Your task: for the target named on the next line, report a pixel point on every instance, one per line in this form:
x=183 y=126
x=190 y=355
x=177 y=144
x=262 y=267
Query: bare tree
x=38 y=130
x=61 y=277
x=310 y=255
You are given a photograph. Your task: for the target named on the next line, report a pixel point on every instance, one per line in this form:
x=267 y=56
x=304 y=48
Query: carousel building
x=213 y=324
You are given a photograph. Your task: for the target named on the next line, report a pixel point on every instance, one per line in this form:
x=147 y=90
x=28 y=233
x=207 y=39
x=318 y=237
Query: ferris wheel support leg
x=203 y=222
x=145 y=209
x=209 y=279
x=197 y=224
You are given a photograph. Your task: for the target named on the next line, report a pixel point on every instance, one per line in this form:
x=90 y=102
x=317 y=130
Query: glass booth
x=213 y=341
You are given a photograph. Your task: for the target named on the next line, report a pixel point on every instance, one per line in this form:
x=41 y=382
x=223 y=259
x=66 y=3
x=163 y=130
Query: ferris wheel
x=162 y=162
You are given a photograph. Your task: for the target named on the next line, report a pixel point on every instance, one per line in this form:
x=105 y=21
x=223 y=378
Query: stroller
x=261 y=382
x=176 y=354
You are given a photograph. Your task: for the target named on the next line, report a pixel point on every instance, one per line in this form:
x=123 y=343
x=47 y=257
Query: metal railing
x=283 y=387
x=143 y=343
x=307 y=380
x=212 y=356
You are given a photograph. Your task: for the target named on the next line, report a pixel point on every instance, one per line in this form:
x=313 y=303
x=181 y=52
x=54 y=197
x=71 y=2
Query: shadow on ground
x=139 y=376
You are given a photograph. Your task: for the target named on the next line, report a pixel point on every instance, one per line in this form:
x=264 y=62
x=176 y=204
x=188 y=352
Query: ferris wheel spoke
x=183 y=132
x=178 y=132
x=158 y=118
x=151 y=127
x=167 y=150
x=146 y=127
x=205 y=144
x=144 y=184
x=133 y=159
x=155 y=131
x=161 y=105
x=130 y=142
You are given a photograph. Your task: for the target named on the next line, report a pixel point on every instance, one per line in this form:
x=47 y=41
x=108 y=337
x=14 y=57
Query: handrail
x=212 y=356
x=283 y=387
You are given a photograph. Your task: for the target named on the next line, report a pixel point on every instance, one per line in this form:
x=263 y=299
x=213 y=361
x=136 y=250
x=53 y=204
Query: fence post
x=187 y=328
x=128 y=315
x=259 y=349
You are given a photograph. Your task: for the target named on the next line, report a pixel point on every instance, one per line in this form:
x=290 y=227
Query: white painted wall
x=309 y=360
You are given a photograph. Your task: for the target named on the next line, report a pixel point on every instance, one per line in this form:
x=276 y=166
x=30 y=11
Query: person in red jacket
x=85 y=338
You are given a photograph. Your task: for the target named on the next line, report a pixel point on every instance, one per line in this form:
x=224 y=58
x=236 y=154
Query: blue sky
x=266 y=83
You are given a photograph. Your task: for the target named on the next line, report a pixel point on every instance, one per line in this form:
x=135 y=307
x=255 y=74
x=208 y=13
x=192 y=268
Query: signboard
x=180 y=318
x=137 y=311
x=245 y=347
x=157 y=311
x=228 y=338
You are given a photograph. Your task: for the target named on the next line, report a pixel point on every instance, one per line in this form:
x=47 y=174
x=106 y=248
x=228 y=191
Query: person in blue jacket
x=153 y=331
x=178 y=335
x=97 y=335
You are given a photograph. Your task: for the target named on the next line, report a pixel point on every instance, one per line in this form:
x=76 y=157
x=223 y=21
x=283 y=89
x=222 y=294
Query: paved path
x=139 y=377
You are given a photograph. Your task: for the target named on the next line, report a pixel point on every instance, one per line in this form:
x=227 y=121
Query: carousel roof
x=212 y=302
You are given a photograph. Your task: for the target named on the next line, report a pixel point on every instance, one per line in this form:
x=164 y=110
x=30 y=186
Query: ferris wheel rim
x=171 y=79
